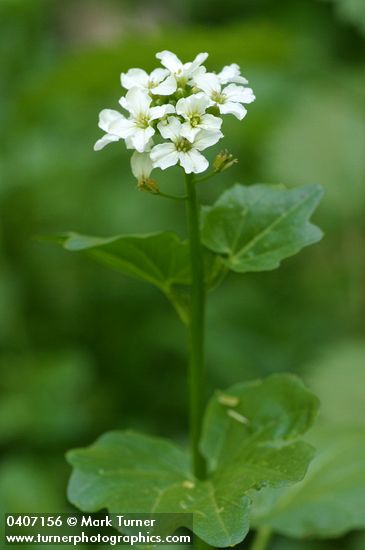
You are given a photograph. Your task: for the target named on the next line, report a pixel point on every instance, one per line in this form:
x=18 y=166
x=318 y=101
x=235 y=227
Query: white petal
x=141 y=137
x=167 y=87
x=123 y=127
x=123 y=103
x=193 y=161
x=233 y=108
x=198 y=72
x=182 y=106
x=195 y=104
x=164 y=155
x=190 y=68
x=231 y=73
x=141 y=165
x=129 y=144
x=171 y=130
x=107 y=117
x=206 y=139
x=158 y=75
x=105 y=140
x=239 y=93
x=208 y=82
x=134 y=78
x=199 y=103
x=210 y=122
x=137 y=101
x=161 y=111
x=170 y=61
x=188 y=132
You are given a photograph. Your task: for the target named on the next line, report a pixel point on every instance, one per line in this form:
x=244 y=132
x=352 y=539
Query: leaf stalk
x=262 y=539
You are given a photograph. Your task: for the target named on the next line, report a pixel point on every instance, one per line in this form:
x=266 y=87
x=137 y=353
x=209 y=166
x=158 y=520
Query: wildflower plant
x=248 y=436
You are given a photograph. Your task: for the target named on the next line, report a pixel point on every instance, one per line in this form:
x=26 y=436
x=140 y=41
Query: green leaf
x=330 y=501
x=161 y=259
x=256 y=227
x=253 y=429
x=131 y=473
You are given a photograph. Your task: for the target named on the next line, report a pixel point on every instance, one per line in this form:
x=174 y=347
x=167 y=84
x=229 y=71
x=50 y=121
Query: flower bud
x=142 y=167
x=149 y=185
x=180 y=92
x=223 y=160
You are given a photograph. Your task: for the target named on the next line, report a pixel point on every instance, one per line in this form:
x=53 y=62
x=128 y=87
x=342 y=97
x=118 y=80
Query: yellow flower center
x=218 y=97
x=142 y=121
x=183 y=145
x=195 y=119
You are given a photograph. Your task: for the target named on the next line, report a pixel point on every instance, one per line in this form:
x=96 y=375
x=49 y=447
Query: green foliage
x=251 y=422
x=248 y=229
x=124 y=470
x=324 y=152
x=127 y=471
x=161 y=259
x=307 y=125
x=330 y=501
x=54 y=416
x=338 y=376
x=256 y=227
x=352 y=11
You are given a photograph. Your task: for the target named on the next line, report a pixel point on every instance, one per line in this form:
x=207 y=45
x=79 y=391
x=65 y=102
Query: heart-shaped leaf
x=254 y=428
x=131 y=473
x=161 y=259
x=247 y=433
x=256 y=227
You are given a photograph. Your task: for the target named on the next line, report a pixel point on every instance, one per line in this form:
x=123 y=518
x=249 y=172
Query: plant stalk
x=196 y=329
x=262 y=539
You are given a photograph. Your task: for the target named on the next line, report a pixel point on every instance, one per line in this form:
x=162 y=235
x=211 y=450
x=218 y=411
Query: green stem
x=262 y=539
x=207 y=177
x=173 y=197
x=196 y=329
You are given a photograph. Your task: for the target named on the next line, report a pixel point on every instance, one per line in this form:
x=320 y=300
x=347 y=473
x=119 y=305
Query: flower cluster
x=174 y=113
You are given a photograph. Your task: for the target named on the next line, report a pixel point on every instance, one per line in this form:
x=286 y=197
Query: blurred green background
x=84 y=350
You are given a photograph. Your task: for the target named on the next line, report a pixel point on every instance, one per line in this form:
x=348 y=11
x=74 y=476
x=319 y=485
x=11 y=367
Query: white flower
x=228 y=99
x=107 y=120
x=141 y=166
x=181 y=150
x=138 y=128
x=231 y=73
x=189 y=93
x=159 y=82
x=192 y=109
x=129 y=145
x=182 y=72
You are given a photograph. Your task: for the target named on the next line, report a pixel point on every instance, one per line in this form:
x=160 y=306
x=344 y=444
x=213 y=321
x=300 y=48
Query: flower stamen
x=218 y=97
x=183 y=145
x=142 y=121
x=195 y=120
